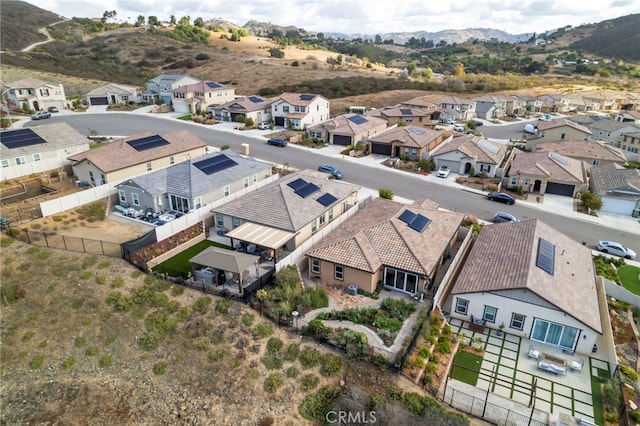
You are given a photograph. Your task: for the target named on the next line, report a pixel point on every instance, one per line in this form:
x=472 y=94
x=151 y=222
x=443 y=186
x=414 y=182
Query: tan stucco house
x=36 y=94
x=547 y=173
x=464 y=153
x=411 y=142
x=197 y=97
x=347 y=129
x=592 y=153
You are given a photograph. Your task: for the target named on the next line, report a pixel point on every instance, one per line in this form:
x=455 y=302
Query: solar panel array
x=559 y=158
x=149 y=142
x=546 y=256
x=358 y=119
x=326 y=200
x=306 y=97
x=297 y=184
x=307 y=190
x=405 y=111
x=213 y=85
x=255 y=99
x=20 y=138
x=488 y=146
x=416 y=130
x=215 y=164
x=415 y=221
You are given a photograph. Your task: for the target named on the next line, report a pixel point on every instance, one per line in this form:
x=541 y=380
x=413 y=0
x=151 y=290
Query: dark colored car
x=337 y=174
x=277 y=142
x=501 y=197
x=478 y=123
x=52 y=109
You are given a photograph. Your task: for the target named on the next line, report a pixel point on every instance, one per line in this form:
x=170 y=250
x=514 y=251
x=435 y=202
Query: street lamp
x=295 y=315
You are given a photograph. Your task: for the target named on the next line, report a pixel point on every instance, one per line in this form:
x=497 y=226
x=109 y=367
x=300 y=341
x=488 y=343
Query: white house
x=471 y=152
x=36 y=94
x=299 y=110
x=618 y=188
x=111 y=94
x=255 y=107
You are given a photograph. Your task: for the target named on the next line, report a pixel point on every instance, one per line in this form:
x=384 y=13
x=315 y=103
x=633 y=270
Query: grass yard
x=630 y=277
x=466 y=367
x=185 y=117
x=180 y=263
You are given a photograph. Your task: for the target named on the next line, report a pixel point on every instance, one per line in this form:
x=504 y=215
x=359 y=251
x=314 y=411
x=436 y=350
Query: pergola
x=235 y=262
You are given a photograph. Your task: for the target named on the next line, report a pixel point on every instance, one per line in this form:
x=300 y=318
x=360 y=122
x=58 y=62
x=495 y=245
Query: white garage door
x=617 y=206
x=453 y=165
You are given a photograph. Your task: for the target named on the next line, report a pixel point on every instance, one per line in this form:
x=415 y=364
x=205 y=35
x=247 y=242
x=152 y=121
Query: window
x=172 y=160
x=595 y=162
x=330 y=214
x=20 y=160
x=525 y=182
x=517 y=321
x=322 y=219
x=148 y=167
x=36 y=157
x=103 y=180
x=285 y=109
x=554 y=334
x=315 y=266
x=462 y=306
x=485 y=168
x=490 y=313
x=406 y=151
x=197 y=202
x=255 y=178
x=5 y=163
x=136 y=200
x=44 y=92
x=226 y=190
x=219 y=219
x=246 y=182
x=562 y=136
x=314 y=225
x=180 y=204
x=122 y=196
x=338 y=272
x=235 y=222
x=514 y=180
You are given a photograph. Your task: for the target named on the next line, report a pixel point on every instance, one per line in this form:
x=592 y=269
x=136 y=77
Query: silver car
x=501 y=217
x=615 y=248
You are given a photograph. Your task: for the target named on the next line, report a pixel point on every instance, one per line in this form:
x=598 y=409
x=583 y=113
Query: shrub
x=11 y=293
x=292 y=351
x=68 y=363
x=263 y=330
x=202 y=305
x=386 y=193
x=247 y=319
x=105 y=361
x=274 y=344
x=176 y=290
x=292 y=372
x=149 y=341
x=309 y=382
x=272 y=361
x=36 y=362
x=27 y=336
x=316 y=406
x=222 y=306
x=160 y=368
x=310 y=357
x=331 y=365
x=80 y=342
x=272 y=383
x=217 y=355
x=92 y=351
x=202 y=57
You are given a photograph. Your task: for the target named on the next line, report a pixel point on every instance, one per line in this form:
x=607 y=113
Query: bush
x=92 y=351
x=11 y=293
x=202 y=305
x=331 y=365
x=316 y=406
x=272 y=383
x=292 y=351
x=105 y=361
x=274 y=345
x=292 y=372
x=247 y=319
x=36 y=362
x=310 y=357
x=149 y=341
x=262 y=331
x=309 y=382
x=222 y=306
x=160 y=368
x=68 y=363
x=386 y=193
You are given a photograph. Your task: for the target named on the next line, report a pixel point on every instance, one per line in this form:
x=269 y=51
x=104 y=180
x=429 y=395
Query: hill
x=19 y=24
x=616 y=38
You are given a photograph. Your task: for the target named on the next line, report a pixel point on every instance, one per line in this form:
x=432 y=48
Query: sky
x=364 y=16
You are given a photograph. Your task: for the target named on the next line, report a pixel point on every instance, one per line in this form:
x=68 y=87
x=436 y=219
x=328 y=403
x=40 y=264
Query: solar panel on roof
x=419 y=223
x=416 y=130
x=405 y=111
x=213 y=85
x=407 y=216
x=358 y=119
x=149 y=142
x=297 y=184
x=326 y=200
x=255 y=99
x=306 y=97
x=307 y=190
x=20 y=138
x=215 y=164
x=546 y=256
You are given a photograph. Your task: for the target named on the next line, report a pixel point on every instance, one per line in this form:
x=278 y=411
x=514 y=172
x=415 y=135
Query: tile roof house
x=593 y=153
x=618 y=188
x=255 y=107
x=160 y=88
x=36 y=94
x=631 y=143
x=558 y=129
x=400 y=245
x=536 y=281
x=113 y=94
x=38 y=149
x=468 y=152
x=412 y=142
x=491 y=107
x=455 y=108
x=423 y=102
x=194 y=182
x=554 y=102
x=611 y=131
x=197 y=97
x=406 y=115
x=547 y=173
x=347 y=129
x=631 y=116
x=577 y=103
x=299 y=110
x=531 y=104
x=135 y=155
x=286 y=213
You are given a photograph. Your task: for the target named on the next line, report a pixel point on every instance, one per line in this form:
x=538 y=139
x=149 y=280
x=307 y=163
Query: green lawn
x=466 y=367
x=596 y=396
x=630 y=277
x=180 y=262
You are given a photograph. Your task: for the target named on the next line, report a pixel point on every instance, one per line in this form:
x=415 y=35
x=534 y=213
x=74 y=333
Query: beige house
x=547 y=173
x=535 y=282
x=406 y=115
x=255 y=107
x=347 y=129
x=286 y=213
x=398 y=245
x=592 y=153
x=554 y=102
x=422 y=103
x=36 y=94
x=411 y=142
x=113 y=94
x=197 y=97
x=464 y=153
x=556 y=130
x=135 y=155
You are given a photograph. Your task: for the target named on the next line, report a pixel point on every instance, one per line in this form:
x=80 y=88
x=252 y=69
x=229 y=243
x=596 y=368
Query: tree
x=412 y=68
x=152 y=21
x=262 y=295
x=198 y=22
x=172 y=20
x=458 y=69
x=140 y=21
x=378 y=39
x=109 y=14
x=185 y=20
x=591 y=201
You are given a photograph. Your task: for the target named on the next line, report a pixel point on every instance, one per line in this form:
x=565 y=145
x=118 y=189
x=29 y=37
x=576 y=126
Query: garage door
x=341 y=140
x=279 y=121
x=454 y=166
x=99 y=100
x=381 y=148
x=560 y=189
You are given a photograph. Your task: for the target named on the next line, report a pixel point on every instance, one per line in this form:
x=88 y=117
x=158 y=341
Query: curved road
x=408 y=186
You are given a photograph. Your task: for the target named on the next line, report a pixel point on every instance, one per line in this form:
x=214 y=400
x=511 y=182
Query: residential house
x=299 y=110
x=197 y=97
x=593 y=153
x=631 y=143
x=605 y=102
x=491 y=107
x=423 y=103
x=455 y=108
x=346 y=129
x=256 y=108
x=135 y=155
x=611 y=131
x=470 y=153
x=558 y=129
x=531 y=104
x=160 y=88
x=411 y=142
x=193 y=183
x=554 y=102
x=284 y=214
x=547 y=173
x=535 y=282
x=38 y=149
x=112 y=94
x=406 y=115
x=618 y=188
x=631 y=116
x=35 y=94
x=401 y=246
x=577 y=103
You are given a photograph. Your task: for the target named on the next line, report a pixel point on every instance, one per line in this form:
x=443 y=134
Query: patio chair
x=251 y=248
x=577 y=365
x=533 y=352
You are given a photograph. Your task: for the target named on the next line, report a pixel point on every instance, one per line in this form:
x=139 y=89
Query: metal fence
x=83 y=245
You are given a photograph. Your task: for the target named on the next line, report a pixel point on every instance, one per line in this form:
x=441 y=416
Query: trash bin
x=352 y=290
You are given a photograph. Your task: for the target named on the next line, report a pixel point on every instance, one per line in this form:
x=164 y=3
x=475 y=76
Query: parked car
x=617 y=249
x=504 y=217
x=477 y=122
x=277 y=142
x=52 y=109
x=501 y=197
x=443 y=172
x=458 y=128
x=41 y=115
x=337 y=174
x=448 y=120
x=529 y=128
x=263 y=126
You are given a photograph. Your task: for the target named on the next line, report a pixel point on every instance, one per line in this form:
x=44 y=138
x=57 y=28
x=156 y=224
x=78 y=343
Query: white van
x=529 y=128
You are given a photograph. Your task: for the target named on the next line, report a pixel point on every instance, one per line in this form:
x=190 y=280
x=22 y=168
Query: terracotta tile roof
x=421 y=101
x=560 y=122
x=245 y=103
x=298 y=99
x=29 y=83
x=375 y=237
x=107 y=89
x=475 y=146
x=203 y=86
x=503 y=258
x=583 y=149
x=119 y=154
x=550 y=165
x=343 y=124
x=610 y=178
x=411 y=136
